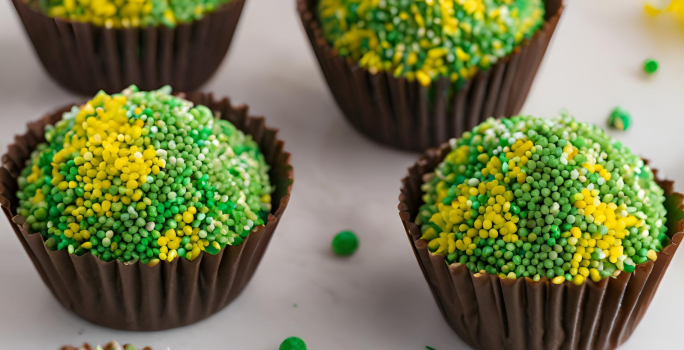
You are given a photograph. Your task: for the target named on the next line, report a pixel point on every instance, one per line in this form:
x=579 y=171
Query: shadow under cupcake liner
x=409 y=116
x=85 y=58
x=136 y=296
x=520 y=314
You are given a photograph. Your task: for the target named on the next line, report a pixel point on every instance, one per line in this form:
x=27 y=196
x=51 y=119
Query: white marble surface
x=376 y=299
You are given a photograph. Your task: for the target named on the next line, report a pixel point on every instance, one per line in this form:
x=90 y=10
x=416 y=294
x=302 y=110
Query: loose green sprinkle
x=129 y=13
x=144 y=176
x=293 y=343
x=650 y=66
x=425 y=40
x=345 y=243
x=620 y=119
x=532 y=197
x=429 y=348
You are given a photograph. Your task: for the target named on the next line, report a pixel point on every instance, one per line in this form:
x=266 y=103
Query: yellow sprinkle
x=558 y=280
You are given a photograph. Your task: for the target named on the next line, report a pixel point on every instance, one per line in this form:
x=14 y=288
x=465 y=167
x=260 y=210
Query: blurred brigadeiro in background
x=93 y=45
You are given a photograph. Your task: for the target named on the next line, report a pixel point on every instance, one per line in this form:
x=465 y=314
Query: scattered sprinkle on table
x=425 y=40
x=430 y=348
x=620 y=119
x=345 y=243
x=144 y=176
x=293 y=343
x=650 y=66
x=533 y=197
x=130 y=13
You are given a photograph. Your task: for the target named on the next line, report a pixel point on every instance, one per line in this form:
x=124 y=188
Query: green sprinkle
x=650 y=66
x=619 y=119
x=345 y=243
x=293 y=343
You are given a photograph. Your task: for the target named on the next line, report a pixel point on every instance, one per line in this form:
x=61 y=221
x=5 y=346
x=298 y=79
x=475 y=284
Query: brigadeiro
x=87 y=46
x=412 y=74
x=545 y=232
x=150 y=208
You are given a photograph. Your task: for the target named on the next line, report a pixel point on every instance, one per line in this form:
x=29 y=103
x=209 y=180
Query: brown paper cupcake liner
x=492 y=313
x=136 y=296
x=409 y=116
x=85 y=58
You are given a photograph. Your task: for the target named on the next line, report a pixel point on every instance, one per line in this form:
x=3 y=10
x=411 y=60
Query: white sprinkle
x=149 y=226
x=137 y=155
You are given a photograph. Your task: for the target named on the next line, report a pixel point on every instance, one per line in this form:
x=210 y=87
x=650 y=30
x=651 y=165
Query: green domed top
x=533 y=197
x=428 y=39
x=144 y=176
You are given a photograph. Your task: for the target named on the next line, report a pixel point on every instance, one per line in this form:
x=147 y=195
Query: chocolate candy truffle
x=533 y=197
x=144 y=176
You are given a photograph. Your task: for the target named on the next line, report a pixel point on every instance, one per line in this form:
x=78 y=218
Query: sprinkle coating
x=427 y=39
x=144 y=176
x=129 y=13
x=533 y=197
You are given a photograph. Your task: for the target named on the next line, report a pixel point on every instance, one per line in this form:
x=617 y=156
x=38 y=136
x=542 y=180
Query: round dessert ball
x=425 y=40
x=533 y=197
x=129 y=14
x=144 y=176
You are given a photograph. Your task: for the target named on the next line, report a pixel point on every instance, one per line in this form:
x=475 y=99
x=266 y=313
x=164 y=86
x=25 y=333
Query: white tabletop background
x=376 y=299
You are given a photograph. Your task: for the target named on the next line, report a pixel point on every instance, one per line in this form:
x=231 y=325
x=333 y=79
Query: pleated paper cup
x=85 y=58
x=406 y=115
x=490 y=313
x=135 y=296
